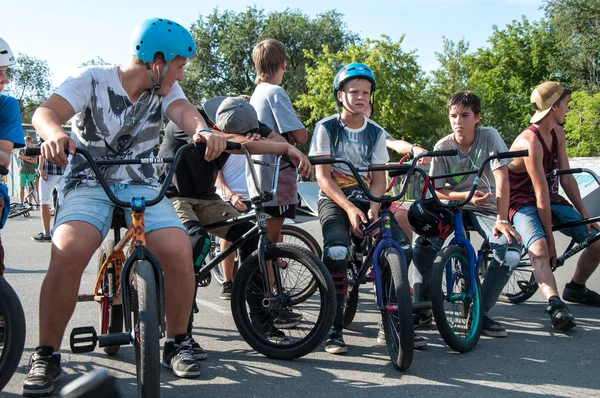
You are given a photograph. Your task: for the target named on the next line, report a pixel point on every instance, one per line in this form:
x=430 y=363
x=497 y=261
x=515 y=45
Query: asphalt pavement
x=532 y=361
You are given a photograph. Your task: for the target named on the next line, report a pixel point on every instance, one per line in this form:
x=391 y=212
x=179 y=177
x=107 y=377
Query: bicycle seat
x=118 y=218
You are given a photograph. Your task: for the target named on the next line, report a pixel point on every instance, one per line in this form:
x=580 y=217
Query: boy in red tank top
x=535 y=203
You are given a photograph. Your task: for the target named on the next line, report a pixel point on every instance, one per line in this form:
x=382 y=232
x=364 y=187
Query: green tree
x=94 y=61
x=576 y=30
x=398 y=99
x=582 y=125
x=504 y=74
x=30 y=84
x=225 y=41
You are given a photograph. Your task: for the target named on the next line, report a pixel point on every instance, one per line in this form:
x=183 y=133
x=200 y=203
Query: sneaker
x=335 y=343
x=197 y=352
x=492 y=328
x=581 y=296
x=226 y=291
x=44 y=370
x=561 y=316
x=422 y=319
x=42 y=238
x=419 y=341
x=269 y=331
x=285 y=318
x=177 y=355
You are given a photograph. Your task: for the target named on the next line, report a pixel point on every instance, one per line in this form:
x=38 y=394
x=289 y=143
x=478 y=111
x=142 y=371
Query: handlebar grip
x=513 y=154
x=33 y=151
x=560 y=172
x=322 y=160
x=447 y=152
x=3 y=170
x=232 y=146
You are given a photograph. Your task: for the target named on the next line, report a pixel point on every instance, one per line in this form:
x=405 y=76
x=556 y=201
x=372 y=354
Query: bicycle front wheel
x=273 y=322
x=522 y=284
x=458 y=314
x=12 y=332
x=397 y=314
x=146 y=330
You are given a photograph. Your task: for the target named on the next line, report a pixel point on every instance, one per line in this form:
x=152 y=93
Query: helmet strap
x=157 y=83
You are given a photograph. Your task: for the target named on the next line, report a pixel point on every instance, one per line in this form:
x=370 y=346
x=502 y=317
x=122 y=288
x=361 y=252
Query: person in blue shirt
x=11 y=132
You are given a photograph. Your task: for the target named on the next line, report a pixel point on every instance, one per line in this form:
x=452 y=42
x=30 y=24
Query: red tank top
x=521 y=187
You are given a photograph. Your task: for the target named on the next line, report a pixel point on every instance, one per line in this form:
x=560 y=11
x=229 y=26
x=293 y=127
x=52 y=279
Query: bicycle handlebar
x=94 y=164
x=560 y=172
x=446 y=152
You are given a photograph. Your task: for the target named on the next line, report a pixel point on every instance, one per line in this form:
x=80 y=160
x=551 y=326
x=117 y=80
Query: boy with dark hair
x=535 y=203
x=274 y=108
x=343 y=206
x=487 y=210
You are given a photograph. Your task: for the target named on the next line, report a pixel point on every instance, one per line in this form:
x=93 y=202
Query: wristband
x=231 y=196
x=413 y=147
x=207 y=130
x=503 y=222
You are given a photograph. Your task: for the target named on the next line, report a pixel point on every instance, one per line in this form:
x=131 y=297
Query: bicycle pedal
x=83 y=339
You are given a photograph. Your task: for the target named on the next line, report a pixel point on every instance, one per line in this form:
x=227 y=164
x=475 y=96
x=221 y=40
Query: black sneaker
x=492 y=328
x=42 y=238
x=269 y=331
x=422 y=319
x=226 y=291
x=177 y=355
x=581 y=296
x=197 y=352
x=44 y=370
x=335 y=343
x=561 y=317
x=285 y=318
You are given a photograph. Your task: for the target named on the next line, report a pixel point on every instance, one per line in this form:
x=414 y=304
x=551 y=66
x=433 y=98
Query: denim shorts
x=527 y=222
x=91 y=205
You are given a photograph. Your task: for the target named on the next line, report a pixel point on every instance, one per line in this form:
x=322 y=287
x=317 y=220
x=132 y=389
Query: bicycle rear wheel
x=458 y=315
x=109 y=285
x=12 y=332
x=522 y=284
x=146 y=330
x=397 y=314
x=254 y=315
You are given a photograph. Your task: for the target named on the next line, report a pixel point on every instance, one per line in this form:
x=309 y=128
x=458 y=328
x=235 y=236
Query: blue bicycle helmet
x=352 y=71
x=162 y=35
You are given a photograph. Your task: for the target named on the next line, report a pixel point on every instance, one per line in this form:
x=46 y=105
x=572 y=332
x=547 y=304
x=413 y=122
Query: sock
x=46 y=233
x=575 y=286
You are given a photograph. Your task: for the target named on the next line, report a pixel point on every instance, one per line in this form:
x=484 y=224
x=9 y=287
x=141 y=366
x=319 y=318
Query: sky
x=66 y=33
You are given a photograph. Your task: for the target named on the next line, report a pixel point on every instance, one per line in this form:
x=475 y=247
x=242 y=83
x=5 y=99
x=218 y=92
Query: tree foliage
x=582 y=124
x=225 y=41
x=399 y=101
x=94 y=61
x=30 y=84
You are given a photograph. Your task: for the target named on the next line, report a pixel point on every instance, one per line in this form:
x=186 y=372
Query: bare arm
x=223 y=185
x=48 y=120
x=298 y=136
x=567 y=181
x=6 y=148
x=377 y=188
x=503 y=203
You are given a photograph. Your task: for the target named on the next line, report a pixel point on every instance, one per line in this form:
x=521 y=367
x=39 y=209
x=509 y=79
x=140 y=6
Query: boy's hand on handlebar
x=507 y=230
x=590 y=226
x=551 y=251
x=215 y=144
x=357 y=220
x=53 y=149
x=479 y=198
x=254 y=137
x=301 y=161
x=423 y=161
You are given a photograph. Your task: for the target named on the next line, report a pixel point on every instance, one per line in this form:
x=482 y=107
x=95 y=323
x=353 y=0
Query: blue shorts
x=91 y=205
x=527 y=222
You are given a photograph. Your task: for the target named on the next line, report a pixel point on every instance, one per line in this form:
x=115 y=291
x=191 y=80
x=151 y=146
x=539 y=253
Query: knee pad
x=512 y=258
x=200 y=241
x=337 y=253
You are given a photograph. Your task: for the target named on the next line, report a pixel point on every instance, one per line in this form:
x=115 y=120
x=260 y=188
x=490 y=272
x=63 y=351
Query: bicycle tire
x=351 y=304
x=256 y=325
x=14 y=332
x=109 y=282
x=217 y=272
x=17 y=212
x=459 y=321
x=146 y=331
x=397 y=313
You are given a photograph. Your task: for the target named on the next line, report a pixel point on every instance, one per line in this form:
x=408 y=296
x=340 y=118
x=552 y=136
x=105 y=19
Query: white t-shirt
x=110 y=126
x=234 y=174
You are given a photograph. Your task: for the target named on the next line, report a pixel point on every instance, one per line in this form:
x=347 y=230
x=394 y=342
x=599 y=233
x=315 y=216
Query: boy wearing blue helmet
x=119 y=112
x=343 y=206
